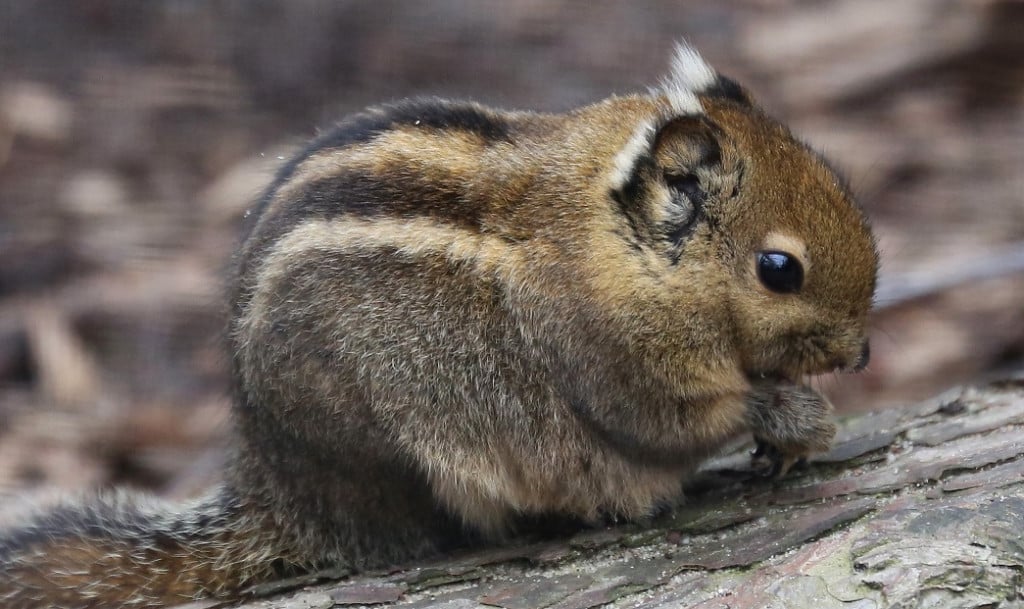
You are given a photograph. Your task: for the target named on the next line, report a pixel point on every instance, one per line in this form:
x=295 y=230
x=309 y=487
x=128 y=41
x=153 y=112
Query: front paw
x=790 y=423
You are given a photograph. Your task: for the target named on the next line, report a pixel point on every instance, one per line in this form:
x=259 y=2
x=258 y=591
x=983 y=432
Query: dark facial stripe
x=626 y=204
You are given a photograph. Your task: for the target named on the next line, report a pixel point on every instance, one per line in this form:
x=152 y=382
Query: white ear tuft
x=689 y=76
x=690 y=71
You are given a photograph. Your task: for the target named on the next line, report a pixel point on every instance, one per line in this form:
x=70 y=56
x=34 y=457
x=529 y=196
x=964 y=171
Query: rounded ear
x=687 y=151
x=686 y=143
x=665 y=187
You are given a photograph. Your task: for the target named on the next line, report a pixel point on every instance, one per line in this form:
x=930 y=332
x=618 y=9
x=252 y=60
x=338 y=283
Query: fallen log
x=913 y=507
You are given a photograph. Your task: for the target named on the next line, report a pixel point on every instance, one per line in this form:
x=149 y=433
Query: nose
x=865 y=356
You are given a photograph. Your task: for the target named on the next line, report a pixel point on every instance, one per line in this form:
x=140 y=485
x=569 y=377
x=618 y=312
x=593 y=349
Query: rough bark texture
x=917 y=507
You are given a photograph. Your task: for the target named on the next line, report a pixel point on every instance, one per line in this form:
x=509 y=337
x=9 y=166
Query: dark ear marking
x=690 y=153
x=727 y=88
x=687 y=184
x=660 y=191
x=685 y=207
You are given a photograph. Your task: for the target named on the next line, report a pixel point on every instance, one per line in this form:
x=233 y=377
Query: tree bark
x=915 y=507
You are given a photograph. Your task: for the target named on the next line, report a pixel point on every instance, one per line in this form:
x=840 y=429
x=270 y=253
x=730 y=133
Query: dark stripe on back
x=357 y=193
x=427 y=113
x=366 y=195
x=440 y=114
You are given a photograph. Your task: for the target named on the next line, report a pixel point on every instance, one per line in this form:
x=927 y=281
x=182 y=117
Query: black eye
x=780 y=272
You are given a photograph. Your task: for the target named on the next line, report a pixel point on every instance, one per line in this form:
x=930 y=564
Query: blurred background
x=133 y=136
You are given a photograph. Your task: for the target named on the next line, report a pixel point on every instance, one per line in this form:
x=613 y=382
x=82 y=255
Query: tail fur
x=126 y=551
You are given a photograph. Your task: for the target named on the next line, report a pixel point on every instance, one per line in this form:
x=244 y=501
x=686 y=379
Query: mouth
x=774 y=377
x=800 y=377
x=799 y=370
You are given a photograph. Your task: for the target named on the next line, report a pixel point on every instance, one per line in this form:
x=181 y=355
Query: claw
x=759 y=449
x=784 y=464
x=763 y=459
x=770 y=462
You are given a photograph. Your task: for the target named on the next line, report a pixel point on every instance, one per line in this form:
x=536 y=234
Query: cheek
x=768 y=322
x=775 y=314
x=849 y=345
x=780 y=331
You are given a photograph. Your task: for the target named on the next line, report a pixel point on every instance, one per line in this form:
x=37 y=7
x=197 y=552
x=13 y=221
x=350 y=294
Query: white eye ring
x=787 y=244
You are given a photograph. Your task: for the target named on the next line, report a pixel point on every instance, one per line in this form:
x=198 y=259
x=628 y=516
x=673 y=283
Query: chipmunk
x=446 y=318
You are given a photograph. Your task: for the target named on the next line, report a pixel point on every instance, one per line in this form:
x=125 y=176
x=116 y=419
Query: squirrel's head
x=736 y=207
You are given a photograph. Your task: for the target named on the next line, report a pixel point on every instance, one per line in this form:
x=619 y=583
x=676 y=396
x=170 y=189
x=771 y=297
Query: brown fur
x=448 y=318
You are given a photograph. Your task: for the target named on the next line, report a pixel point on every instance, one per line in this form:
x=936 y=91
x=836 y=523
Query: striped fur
x=449 y=320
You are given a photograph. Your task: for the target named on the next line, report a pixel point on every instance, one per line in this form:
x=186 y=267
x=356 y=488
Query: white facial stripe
x=639 y=143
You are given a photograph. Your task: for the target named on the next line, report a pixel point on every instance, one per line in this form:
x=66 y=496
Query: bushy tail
x=120 y=550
